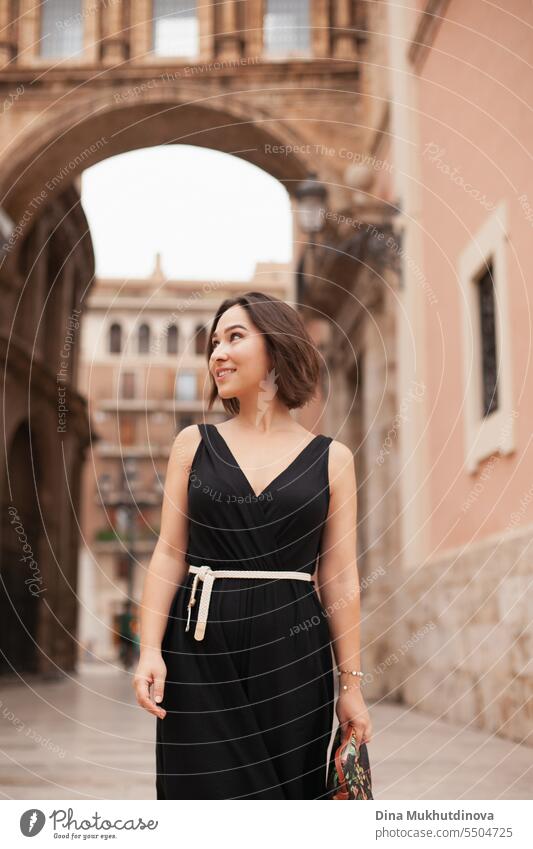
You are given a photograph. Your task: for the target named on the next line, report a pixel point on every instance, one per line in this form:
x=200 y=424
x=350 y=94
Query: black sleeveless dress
x=250 y=707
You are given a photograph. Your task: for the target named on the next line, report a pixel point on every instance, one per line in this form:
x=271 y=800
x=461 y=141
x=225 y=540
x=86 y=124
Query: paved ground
x=86 y=738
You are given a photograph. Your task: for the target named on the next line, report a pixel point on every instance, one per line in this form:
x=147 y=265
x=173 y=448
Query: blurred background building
x=401 y=133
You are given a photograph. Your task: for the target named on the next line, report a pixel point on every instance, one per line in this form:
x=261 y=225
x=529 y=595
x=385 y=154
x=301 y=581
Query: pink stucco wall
x=475 y=105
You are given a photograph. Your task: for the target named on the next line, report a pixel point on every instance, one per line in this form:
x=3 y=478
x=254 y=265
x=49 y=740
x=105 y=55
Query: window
x=115 y=339
x=122 y=566
x=127 y=385
x=186 y=386
x=105 y=482
x=61 y=33
x=175 y=28
x=172 y=339
x=487 y=389
x=127 y=431
x=200 y=339
x=487 y=324
x=286 y=28
x=144 y=339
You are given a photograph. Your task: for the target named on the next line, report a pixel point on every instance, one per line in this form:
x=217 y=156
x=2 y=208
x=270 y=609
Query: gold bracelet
x=355 y=672
x=345 y=687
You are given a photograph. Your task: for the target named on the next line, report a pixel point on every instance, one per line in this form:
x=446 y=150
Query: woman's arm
x=165 y=572
x=338 y=581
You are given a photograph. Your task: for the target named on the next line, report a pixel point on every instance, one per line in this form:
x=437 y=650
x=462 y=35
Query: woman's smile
x=223 y=371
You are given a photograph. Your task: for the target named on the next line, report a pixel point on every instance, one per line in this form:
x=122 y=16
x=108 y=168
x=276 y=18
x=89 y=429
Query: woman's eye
x=214 y=343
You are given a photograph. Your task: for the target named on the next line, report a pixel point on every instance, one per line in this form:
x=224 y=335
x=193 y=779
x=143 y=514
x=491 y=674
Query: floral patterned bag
x=349 y=774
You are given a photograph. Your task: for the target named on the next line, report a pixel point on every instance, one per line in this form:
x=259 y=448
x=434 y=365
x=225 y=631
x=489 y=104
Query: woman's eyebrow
x=231 y=327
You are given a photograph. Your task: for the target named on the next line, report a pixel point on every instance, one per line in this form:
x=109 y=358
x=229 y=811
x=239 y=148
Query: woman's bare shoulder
x=185 y=445
x=340 y=450
x=341 y=460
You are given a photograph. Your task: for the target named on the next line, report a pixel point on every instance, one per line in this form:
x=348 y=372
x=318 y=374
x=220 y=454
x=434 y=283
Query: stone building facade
x=46 y=433
x=430 y=363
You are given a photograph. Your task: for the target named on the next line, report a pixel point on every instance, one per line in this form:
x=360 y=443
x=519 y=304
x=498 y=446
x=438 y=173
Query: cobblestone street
x=86 y=738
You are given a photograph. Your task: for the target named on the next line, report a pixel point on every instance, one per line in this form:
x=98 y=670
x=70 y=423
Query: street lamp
x=130 y=472
x=105 y=486
x=311 y=196
x=127 y=499
x=128 y=502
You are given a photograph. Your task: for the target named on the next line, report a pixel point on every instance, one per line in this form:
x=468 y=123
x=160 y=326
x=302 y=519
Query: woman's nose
x=219 y=352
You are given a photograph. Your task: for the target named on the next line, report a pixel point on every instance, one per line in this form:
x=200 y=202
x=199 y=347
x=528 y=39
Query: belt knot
x=207 y=575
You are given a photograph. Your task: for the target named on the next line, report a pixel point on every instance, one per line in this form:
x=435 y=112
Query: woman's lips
x=225 y=375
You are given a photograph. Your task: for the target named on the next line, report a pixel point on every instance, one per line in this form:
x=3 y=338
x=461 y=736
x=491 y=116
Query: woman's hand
x=351 y=709
x=151 y=671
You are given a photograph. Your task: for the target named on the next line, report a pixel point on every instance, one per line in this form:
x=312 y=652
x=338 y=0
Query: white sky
x=211 y=215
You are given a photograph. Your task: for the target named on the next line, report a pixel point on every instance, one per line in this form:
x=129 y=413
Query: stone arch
x=32 y=484
x=46 y=155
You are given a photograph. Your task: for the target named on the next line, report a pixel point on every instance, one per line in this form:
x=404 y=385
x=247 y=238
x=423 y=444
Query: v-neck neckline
x=272 y=482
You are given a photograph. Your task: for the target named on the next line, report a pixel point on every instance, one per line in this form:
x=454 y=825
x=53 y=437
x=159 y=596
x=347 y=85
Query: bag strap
x=338 y=763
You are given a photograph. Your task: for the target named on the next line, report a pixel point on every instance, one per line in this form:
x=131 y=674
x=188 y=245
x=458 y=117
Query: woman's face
x=239 y=360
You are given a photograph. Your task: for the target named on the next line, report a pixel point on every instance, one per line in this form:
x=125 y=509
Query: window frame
x=61 y=56
x=186 y=373
x=190 y=57
x=120 y=375
x=141 y=327
x=170 y=328
x=494 y=433
x=121 y=346
x=293 y=54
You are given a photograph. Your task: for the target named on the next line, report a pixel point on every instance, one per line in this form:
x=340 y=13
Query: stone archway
x=22 y=581
x=41 y=195
x=44 y=156
x=49 y=149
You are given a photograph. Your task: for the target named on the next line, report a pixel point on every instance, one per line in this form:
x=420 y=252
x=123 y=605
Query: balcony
x=228 y=36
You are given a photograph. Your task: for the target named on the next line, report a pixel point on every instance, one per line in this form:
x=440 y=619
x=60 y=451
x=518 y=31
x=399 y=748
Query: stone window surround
x=495 y=433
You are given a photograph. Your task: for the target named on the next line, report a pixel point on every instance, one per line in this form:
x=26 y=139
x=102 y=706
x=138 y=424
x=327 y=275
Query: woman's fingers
x=362 y=732
x=158 y=689
x=142 y=693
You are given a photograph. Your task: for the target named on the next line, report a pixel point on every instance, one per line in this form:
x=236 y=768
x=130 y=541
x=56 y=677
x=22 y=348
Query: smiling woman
x=239 y=655
x=269 y=331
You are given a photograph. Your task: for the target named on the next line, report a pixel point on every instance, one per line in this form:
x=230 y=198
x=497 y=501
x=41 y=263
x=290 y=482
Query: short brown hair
x=292 y=351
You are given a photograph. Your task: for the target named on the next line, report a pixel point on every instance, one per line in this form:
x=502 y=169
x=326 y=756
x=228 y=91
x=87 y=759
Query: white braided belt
x=208 y=575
